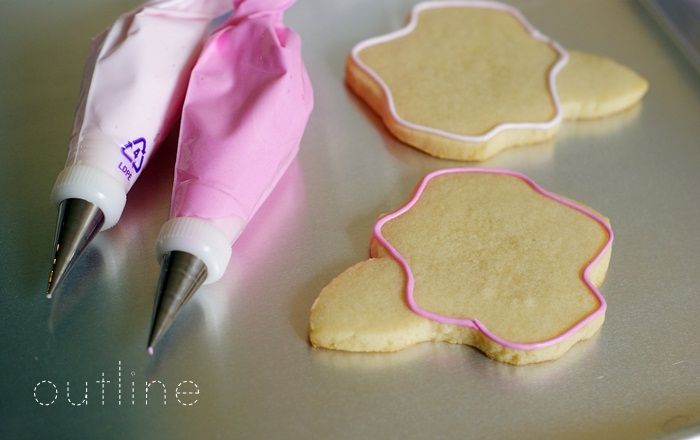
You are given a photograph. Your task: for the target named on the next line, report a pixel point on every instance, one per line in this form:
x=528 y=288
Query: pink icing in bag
x=132 y=92
x=247 y=104
x=246 y=108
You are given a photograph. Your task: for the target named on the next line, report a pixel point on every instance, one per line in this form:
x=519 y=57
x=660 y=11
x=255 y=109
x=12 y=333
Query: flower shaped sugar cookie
x=464 y=80
x=483 y=257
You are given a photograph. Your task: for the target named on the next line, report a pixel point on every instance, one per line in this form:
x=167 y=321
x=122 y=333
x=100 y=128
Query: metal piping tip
x=181 y=275
x=78 y=223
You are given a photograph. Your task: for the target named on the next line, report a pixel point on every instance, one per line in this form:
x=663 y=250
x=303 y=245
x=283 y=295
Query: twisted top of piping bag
x=254 y=8
x=248 y=102
x=206 y=8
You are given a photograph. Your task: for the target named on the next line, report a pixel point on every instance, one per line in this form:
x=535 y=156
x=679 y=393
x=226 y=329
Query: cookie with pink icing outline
x=482 y=257
x=464 y=80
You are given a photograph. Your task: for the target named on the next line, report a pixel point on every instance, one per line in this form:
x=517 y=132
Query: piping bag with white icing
x=133 y=87
x=247 y=104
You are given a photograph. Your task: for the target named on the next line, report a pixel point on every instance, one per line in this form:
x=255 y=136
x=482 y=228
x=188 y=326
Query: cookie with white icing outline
x=482 y=257
x=464 y=80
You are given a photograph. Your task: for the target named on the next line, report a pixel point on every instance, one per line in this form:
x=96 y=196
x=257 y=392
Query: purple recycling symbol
x=135 y=152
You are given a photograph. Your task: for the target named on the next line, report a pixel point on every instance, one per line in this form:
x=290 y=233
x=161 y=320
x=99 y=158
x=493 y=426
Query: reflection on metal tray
x=681 y=20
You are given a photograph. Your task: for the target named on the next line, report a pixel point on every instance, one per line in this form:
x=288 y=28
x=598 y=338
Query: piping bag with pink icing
x=132 y=91
x=246 y=108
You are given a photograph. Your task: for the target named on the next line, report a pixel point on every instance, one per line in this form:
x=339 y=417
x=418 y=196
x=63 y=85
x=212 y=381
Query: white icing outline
x=536 y=34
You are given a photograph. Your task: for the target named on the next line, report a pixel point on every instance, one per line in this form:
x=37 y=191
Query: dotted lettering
x=165 y=394
x=195 y=392
x=55 y=390
x=85 y=398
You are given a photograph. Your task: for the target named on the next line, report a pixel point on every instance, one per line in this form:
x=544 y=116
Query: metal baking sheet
x=243 y=340
x=681 y=21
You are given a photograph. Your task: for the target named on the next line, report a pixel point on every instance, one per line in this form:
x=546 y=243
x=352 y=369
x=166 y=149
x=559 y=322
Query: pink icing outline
x=561 y=62
x=475 y=323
